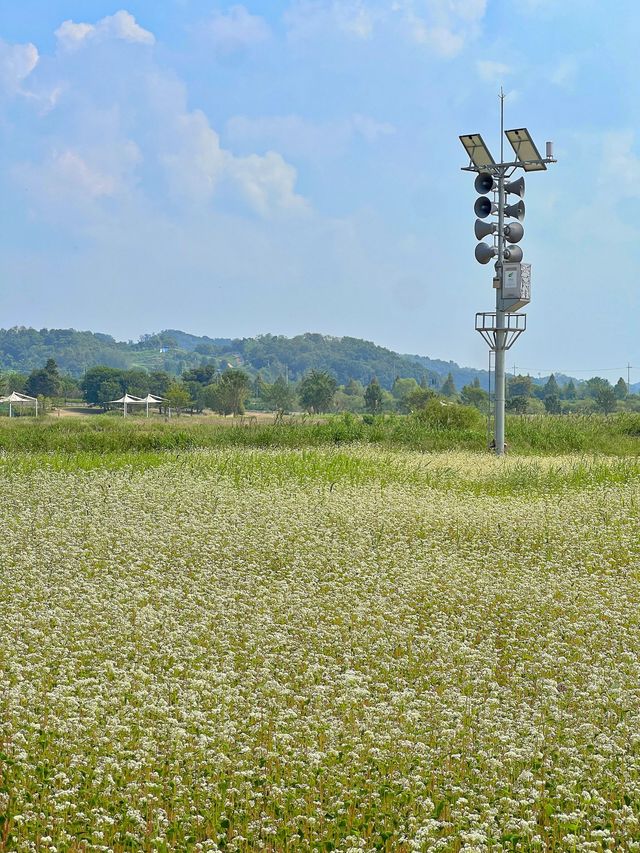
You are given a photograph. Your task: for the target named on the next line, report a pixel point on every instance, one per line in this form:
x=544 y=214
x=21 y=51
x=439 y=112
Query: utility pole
x=512 y=279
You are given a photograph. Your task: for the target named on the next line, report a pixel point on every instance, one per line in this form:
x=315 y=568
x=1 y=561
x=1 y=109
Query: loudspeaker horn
x=483 y=207
x=513 y=232
x=515 y=187
x=515 y=210
x=484 y=252
x=484 y=183
x=513 y=254
x=483 y=229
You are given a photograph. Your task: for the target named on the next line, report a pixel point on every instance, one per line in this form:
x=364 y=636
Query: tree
x=551 y=388
x=196 y=396
x=203 y=374
x=474 y=395
x=259 y=389
x=159 y=382
x=93 y=379
x=448 y=387
x=569 y=390
x=373 y=397
x=552 y=404
x=279 y=397
x=401 y=390
x=69 y=388
x=419 y=398
x=177 y=397
x=518 y=405
x=227 y=396
x=136 y=382
x=316 y=391
x=595 y=385
x=234 y=385
x=353 y=388
x=214 y=400
x=520 y=386
x=620 y=389
x=605 y=399
x=107 y=391
x=14 y=382
x=45 y=382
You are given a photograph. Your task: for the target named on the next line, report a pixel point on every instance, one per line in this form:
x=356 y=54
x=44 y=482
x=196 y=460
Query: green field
x=347 y=647
x=439 y=428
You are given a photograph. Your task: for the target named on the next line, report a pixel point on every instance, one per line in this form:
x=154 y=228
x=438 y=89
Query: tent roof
x=151 y=398
x=127 y=398
x=15 y=397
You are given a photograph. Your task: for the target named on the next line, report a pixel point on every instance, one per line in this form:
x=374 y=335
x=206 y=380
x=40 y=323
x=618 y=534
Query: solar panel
x=525 y=149
x=478 y=152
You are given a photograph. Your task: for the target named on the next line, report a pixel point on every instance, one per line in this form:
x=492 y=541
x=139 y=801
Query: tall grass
x=617 y=435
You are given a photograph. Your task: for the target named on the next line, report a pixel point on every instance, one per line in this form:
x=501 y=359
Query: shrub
x=450 y=416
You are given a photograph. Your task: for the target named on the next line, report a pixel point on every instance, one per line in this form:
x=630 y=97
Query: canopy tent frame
x=126 y=399
x=130 y=400
x=153 y=399
x=16 y=397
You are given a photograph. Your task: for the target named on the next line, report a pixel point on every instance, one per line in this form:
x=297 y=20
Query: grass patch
x=616 y=435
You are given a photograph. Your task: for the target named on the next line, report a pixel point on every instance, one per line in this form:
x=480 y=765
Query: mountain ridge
x=23 y=349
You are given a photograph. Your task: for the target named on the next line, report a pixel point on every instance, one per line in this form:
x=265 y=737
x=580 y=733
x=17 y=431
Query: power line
x=568 y=371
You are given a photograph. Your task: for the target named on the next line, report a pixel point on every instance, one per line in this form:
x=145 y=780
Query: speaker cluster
x=484 y=207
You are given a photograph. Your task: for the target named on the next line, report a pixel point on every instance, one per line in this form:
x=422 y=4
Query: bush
x=451 y=416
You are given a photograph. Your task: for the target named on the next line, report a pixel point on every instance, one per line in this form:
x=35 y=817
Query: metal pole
x=499 y=382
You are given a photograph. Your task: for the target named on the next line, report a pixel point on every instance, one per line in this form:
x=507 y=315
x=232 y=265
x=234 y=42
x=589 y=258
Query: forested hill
x=23 y=350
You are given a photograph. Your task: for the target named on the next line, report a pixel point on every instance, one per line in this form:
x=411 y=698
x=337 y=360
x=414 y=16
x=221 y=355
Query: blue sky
x=237 y=169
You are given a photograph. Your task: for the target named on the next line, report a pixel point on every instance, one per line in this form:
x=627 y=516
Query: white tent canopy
x=15 y=397
x=130 y=400
x=153 y=400
x=126 y=399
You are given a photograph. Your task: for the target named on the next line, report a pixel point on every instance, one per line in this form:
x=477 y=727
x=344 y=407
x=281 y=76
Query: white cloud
x=267 y=183
x=142 y=119
x=300 y=137
x=195 y=162
x=72 y=169
x=235 y=29
x=492 y=71
x=354 y=18
x=121 y=26
x=17 y=61
x=197 y=167
x=82 y=175
x=443 y=26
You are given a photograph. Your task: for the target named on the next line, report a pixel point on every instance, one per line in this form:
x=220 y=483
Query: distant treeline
x=231 y=390
x=174 y=352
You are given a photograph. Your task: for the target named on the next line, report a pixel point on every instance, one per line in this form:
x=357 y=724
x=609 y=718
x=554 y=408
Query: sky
x=281 y=167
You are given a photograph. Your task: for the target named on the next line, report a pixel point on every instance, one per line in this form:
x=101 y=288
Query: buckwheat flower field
x=320 y=650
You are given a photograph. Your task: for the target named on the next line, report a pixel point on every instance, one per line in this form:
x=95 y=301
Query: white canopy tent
x=130 y=400
x=15 y=397
x=151 y=398
x=126 y=399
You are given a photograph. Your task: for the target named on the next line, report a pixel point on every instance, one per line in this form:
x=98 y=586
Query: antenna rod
x=501 y=125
